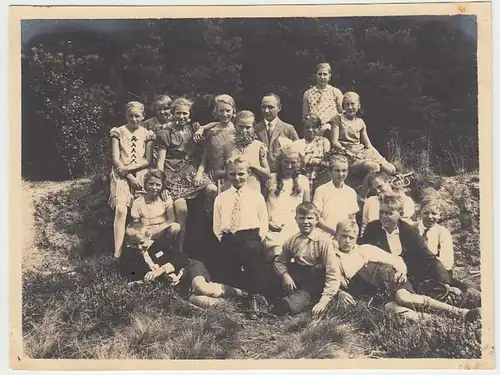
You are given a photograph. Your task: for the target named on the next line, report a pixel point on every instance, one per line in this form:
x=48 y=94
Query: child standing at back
x=131 y=150
x=246 y=144
x=217 y=138
x=335 y=200
x=349 y=134
x=162 y=109
x=287 y=189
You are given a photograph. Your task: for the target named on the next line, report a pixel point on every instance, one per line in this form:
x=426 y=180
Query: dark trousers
x=309 y=281
x=243 y=249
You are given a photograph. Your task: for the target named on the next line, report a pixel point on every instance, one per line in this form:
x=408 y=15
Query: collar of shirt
x=241 y=190
x=394 y=232
x=342 y=186
x=314 y=235
x=271 y=124
x=422 y=227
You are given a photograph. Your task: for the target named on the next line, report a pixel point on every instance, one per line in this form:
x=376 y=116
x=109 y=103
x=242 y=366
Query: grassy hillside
x=76 y=306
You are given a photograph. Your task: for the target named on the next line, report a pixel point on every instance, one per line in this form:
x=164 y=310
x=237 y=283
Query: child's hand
x=164 y=195
x=134 y=182
x=122 y=170
x=319 y=308
x=198 y=135
x=346 y=299
x=288 y=283
x=151 y=275
x=197 y=178
x=275 y=227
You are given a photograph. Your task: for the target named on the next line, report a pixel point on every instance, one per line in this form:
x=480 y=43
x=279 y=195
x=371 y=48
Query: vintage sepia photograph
x=252 y=183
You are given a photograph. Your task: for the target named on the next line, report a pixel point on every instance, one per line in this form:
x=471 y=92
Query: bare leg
x=119 y=228
x=203 y=288
x=407 y=299
x=405 y=312
x=181 y=213
x=369 y=167
x=388 y=168
x=211 y=194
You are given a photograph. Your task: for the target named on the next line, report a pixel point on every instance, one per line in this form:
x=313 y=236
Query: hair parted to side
x=162 y=100
x=181 y=102
x=354 y=97
x=394 y=201
x=430 y=200
x=313 y=119
x=236 y=161
x=136 y=230
x=276 y=96
x=307 y=207
x=134 y=105
x=347 y=226
x=226 y=99
x=324 y=65
x=244 y=115
x=155 y=173
x=379 y=174
x=336 y=159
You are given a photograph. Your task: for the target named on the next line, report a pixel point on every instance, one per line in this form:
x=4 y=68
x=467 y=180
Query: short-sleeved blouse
x=326 y=103
x=150 y=214
x=350 y=132
x=132 y=144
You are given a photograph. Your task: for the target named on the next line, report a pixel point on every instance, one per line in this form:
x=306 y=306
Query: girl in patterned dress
x=246 y=144
x=312 y=149
x=350 y=137
x=131 y=149
x=154 y=209
x=217 y=138
x=287 y=189
x=323 y=99
x=179 y=157
x=162 y=108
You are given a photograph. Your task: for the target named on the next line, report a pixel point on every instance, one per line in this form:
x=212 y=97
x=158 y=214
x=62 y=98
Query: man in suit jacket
x=395 y=236
x=272 y=131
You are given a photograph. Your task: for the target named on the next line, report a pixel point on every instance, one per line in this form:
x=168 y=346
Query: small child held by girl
x=131 y=150
x=217 y=137
x=287 y=189
x=335 y=200
x=179 y=157
x=155 y=209
x=380 y=183
x=350 y=136
x=313 y=148
x=246 y=144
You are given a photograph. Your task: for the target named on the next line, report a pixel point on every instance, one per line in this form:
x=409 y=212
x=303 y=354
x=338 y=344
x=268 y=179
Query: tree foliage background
x=417 y=78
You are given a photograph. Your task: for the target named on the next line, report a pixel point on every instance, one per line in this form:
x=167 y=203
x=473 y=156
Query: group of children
x=279 y=207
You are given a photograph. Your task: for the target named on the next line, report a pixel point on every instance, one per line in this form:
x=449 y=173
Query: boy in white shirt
x=240 y=224
x=335 y=200
x=437 y=237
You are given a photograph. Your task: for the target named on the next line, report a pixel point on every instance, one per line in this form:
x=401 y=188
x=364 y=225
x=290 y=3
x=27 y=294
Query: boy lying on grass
x=145 y=260
x=354 y=258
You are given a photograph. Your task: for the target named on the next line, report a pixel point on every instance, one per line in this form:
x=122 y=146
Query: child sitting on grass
x=437 y=237
x=354 y=257
x=155 y=209
x=380 y=183
x=335 y=200
x=308 y=266
x=145 y=260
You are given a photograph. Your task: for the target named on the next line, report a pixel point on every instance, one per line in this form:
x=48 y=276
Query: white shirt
x=439 y=242
x=394 y=241
x=335 y=204
x=253 y=211
x=270 y=125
